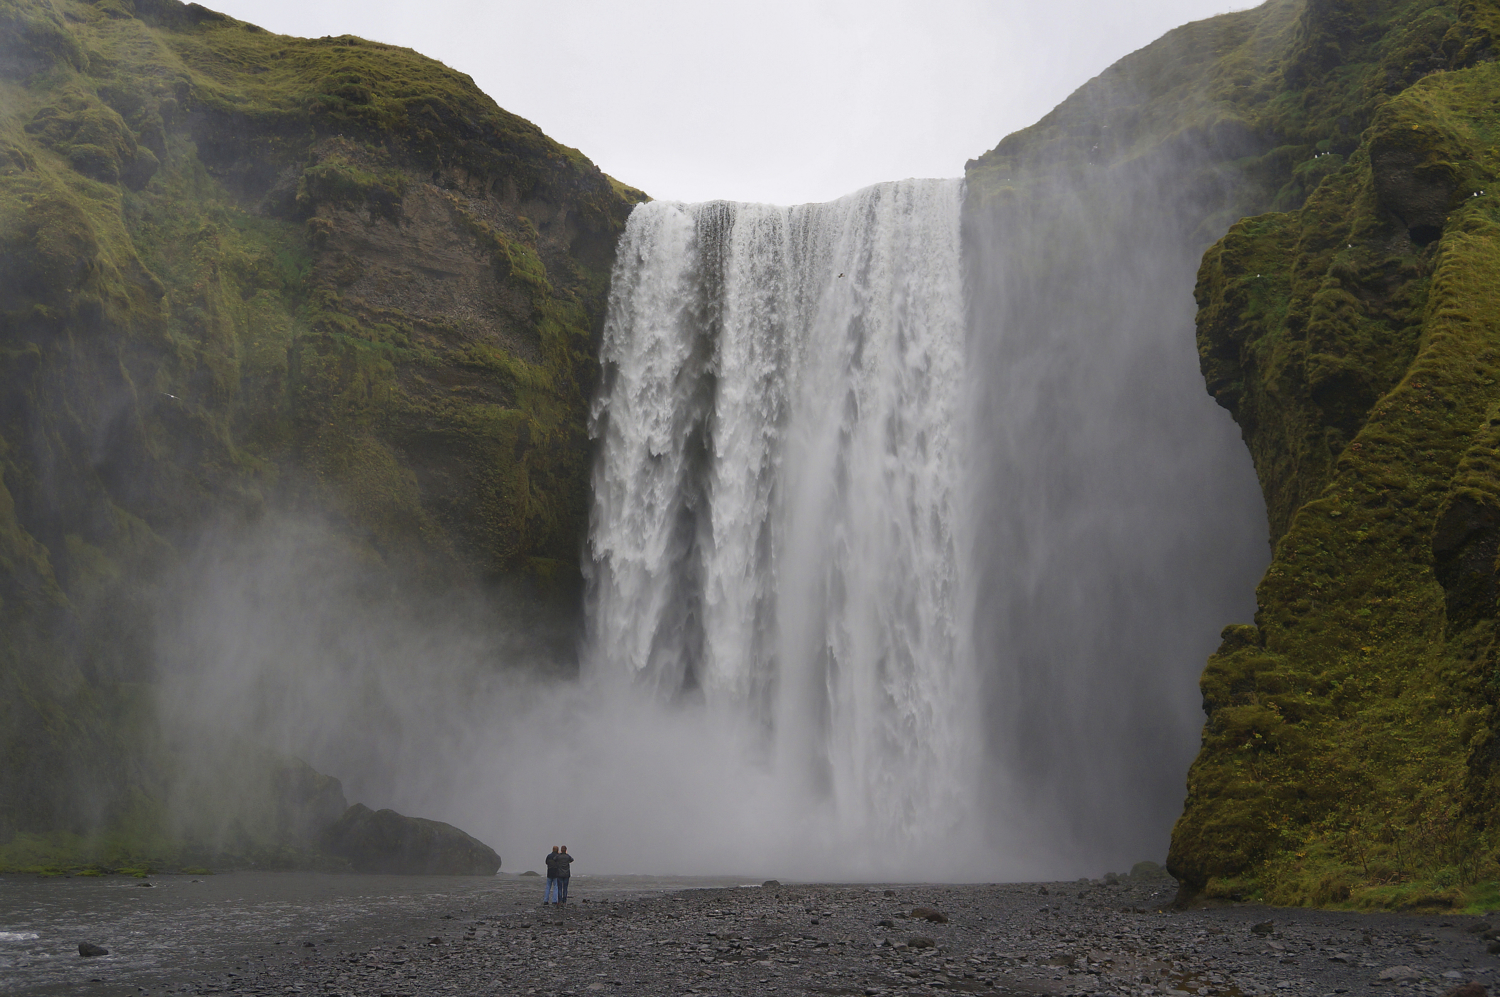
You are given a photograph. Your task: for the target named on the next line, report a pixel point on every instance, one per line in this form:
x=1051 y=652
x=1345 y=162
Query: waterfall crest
x=778 y=529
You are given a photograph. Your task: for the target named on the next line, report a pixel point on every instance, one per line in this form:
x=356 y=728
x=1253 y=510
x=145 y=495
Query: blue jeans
x=562 y=889
x=551 y=886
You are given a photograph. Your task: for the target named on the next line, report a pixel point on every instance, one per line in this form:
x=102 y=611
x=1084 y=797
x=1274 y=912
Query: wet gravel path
x=1076 y=938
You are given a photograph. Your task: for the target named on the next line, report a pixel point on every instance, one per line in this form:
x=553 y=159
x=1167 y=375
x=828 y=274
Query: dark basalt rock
x=89 y=949
x=1465 y=543
x=384 y=841
x=306 y=801
x=1414 y=189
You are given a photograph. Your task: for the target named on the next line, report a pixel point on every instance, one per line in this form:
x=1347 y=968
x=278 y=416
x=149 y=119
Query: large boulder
x=306 y=802
x=385 y=841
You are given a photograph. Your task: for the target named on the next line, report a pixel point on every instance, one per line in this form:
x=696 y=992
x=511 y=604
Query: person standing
x=552 y=886
x=563 y=861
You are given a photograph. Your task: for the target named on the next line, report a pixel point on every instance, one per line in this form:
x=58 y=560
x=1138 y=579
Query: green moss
x=1362 y=368
x=337 y=181
x=184 y=338
x=34 y=37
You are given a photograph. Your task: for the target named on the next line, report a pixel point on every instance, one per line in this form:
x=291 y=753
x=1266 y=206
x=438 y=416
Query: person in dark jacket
x=551 y=875
x=563 y=861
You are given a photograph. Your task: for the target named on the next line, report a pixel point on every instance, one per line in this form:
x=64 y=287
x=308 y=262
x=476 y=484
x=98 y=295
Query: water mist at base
x=890 y=578
x=778 y=527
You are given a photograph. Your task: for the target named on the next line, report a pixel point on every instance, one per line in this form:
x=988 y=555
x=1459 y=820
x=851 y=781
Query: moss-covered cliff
x=242 y=272
x=1350 y=747
x=1349 y=324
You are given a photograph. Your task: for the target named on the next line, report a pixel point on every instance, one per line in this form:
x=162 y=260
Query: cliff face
x=1346 y=321
x=241 y=272
x=1350 y=746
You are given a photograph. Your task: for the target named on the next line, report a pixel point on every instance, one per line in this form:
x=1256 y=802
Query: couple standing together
x=557 y=874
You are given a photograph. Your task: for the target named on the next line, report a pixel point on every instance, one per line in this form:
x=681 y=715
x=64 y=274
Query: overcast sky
x=780 y=100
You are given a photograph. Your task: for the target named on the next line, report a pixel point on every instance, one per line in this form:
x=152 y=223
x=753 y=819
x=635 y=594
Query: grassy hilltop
x=1350 y=322
x=242 y=272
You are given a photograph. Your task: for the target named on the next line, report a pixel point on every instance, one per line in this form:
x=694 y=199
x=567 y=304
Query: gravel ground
x=1058 y=938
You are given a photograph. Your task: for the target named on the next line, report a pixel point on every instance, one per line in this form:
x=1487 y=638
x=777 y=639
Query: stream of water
x=779 y=526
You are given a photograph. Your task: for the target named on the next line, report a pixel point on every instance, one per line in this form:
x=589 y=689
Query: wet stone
x=1000 y=940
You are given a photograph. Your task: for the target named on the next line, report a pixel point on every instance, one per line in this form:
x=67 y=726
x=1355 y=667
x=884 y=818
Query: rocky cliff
x=1351 y=739
x=242 y=273
x=1348 y=321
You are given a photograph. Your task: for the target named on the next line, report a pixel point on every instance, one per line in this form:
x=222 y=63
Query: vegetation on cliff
x=238 y=272
x=1346 y=321
x=1350 y=750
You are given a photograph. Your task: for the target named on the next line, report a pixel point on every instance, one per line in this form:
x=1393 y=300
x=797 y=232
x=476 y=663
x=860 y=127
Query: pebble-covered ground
x=1061 y=938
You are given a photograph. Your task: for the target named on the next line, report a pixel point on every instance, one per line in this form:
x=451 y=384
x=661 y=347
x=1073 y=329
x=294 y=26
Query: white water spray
x=777 y=535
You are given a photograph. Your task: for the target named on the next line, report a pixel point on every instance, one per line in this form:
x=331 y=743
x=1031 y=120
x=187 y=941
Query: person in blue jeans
x=551 y=875
x=563 y=861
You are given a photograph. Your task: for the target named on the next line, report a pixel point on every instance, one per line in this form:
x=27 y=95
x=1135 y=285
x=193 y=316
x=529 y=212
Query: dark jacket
x=563 y=861
x=552 y=865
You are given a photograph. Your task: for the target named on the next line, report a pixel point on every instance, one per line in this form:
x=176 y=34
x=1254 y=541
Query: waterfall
x=778 y=533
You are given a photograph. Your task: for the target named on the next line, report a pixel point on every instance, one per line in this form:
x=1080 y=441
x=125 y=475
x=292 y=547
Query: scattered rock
x=889 y=893
x=387 y=842
x=736 y=940
x=929 y=914
x=1470 y=989
x=89 y=949
x=1396 y=974
x=1478 y=929
x=1042 y=890
x=1264 y=927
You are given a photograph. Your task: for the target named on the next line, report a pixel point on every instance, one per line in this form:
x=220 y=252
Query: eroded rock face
x=1413 y=188
x=385 y=841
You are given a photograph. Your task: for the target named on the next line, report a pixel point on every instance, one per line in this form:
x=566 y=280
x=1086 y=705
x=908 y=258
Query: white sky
x=781 y=100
